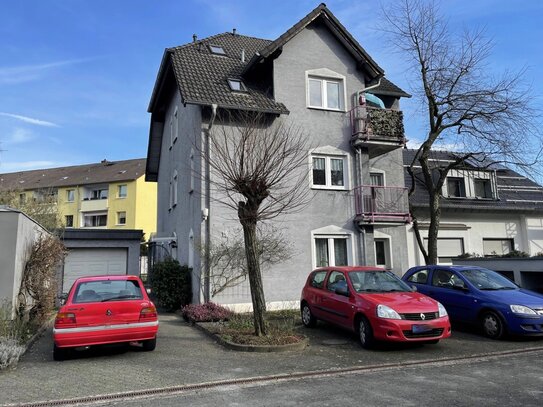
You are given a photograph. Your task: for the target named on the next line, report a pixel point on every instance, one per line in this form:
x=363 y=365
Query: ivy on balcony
x=386 y=123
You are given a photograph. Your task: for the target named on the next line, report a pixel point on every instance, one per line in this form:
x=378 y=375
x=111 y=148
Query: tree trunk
x=435 y=217
x=253 y=267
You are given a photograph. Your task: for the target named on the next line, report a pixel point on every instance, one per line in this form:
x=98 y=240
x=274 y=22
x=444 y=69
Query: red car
x=374 y=303
x=105 y=309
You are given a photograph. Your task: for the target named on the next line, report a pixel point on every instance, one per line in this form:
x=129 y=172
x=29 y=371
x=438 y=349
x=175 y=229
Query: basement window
x=217 y=50
x=237 y=85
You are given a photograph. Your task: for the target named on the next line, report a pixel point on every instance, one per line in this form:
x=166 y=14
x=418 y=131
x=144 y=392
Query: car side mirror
x=342 y=290
x=62 y=298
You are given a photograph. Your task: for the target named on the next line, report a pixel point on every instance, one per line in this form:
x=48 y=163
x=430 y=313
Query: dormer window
x=483 y=188
x=456 y=187
x=237 y=85
x=217 y=50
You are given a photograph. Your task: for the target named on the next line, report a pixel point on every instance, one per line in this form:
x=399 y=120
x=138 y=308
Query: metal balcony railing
x=378 y=204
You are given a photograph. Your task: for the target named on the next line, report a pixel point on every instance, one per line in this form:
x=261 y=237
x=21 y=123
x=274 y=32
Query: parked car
x=374 y=303
x=480 y=296
x=105 y=309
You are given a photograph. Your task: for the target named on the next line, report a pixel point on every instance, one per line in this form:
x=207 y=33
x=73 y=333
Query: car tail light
x=148 y=314
x=65 y=320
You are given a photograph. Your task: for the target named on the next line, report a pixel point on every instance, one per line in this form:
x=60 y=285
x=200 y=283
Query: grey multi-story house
x=319 y=77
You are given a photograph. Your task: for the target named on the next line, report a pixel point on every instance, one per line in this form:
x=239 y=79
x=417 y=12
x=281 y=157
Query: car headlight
x=442 y=310
x=521 y=309
x=386 y=312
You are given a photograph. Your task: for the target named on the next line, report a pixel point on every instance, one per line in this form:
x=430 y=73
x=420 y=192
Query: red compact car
x=105 y=309
x=374 y=303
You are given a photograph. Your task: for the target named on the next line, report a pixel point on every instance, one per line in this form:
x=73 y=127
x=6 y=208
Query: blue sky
x=76 y=75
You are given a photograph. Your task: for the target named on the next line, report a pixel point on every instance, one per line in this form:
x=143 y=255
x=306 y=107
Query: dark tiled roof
x=516 y=193
x=387 y=88
x=345 y=37
x=202 y=76
x=103 y=172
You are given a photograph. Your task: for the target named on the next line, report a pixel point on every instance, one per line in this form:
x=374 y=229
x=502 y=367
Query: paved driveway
x=184 y=355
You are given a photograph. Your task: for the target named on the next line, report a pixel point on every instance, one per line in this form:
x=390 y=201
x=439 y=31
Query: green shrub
x=170 y=284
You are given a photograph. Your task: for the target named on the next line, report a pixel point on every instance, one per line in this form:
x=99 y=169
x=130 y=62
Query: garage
x=99 y=252
x=92 y=262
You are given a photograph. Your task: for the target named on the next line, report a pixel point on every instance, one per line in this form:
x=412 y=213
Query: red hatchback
x=105 y=309
x=374 y=303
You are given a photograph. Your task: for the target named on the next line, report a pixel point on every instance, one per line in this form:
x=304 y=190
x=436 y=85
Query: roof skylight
x=237 y=85
x=217 y=49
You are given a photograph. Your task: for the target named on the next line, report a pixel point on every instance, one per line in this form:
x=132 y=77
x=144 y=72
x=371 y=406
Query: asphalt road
x=185 y=357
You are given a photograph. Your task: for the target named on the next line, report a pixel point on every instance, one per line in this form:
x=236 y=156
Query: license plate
x=418 y=329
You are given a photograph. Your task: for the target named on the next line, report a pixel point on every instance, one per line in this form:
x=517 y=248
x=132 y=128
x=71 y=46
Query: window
x=95 y=220
x=497 y=247
x=456 y=187
x=99 y=194
x=70 y=195
x=121 y=218
x=175 y=123
x=173 y=190
x=332 y=251
x=317 y=280
x=442 y=278
x=377 y=179
x=482 y=188
x=325 y=93
x=22 y=199
x=192 y=174
x=420 y=277
x=329 y=172
x=121 y=191
x=381 y=253
x=447 y=248
x=336 y=279
x=69 y=221
x=217 y=50
x=237 y=85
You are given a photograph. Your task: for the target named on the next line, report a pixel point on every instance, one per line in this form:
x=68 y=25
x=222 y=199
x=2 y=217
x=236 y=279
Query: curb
x=252 y=348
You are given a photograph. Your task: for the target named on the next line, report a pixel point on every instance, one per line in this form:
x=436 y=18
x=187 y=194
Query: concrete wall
x=17 y=233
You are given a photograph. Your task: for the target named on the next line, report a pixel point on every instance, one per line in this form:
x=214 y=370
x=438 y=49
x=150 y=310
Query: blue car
x=480 y=296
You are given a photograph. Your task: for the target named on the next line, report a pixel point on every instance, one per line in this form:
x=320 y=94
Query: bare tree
x=227 y=260
x=40 y=205
x=259 y=169
x=486 y=118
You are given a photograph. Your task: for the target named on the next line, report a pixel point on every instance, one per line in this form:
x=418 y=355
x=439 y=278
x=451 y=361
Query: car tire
x=149 y=345
x=492 y=325
x=308 y=319
x=365 y=333
x=60 y=354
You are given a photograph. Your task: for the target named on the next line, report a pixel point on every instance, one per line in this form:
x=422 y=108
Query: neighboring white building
x=315 y=76
x=486 y=211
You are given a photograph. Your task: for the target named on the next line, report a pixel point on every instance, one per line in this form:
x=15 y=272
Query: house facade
x=488 y=210
x=317 y=77
x=105 y=195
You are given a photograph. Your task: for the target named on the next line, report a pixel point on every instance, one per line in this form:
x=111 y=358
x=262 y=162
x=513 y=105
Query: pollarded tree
x=485 y=118
x=259 y=168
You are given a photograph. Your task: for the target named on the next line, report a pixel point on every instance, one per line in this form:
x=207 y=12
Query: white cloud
x=30 y=120
x=26 y=73
x=20 y=136
x=27 y=165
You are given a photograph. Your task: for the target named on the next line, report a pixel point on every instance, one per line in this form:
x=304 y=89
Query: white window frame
x=332 y=232
x=174 y=189
x=68 y=195
x=388 y=254
x=119 y=218
x=329 y=153
x=119 y=191
x=325 y=75
x=92 y=214
x=381 y=173
x=66 y=221
x=192 y=174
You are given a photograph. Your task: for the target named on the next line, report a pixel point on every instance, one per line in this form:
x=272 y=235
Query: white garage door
x=92 y=262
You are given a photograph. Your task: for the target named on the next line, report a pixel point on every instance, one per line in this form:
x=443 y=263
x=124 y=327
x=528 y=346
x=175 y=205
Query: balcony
x=383 y=205
x=378 y=130
x=91 y=205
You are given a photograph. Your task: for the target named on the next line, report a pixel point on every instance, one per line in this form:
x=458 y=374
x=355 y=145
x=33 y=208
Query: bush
x=171 y=284
x=10 y=352
x=208 y=312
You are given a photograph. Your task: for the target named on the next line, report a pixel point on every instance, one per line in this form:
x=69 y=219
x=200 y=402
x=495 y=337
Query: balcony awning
x=373 y=100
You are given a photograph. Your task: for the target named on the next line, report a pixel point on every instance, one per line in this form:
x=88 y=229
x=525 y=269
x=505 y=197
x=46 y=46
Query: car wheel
x=149 y=344
x=492 y=325
x=60 y=353
x=365 y=333
x=307 y=317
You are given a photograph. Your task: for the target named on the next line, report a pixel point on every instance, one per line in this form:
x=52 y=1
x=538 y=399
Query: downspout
x=207 y=268
x=361 y=230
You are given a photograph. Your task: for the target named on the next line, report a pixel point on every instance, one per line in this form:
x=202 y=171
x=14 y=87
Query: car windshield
x=377 y=282
x=107 y=290
x=485 y=279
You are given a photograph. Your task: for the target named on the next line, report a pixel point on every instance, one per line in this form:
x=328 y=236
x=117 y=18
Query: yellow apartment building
x=104 y=195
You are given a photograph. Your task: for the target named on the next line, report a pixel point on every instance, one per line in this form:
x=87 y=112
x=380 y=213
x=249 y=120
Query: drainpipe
x=207 y=269
x=357 y=95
